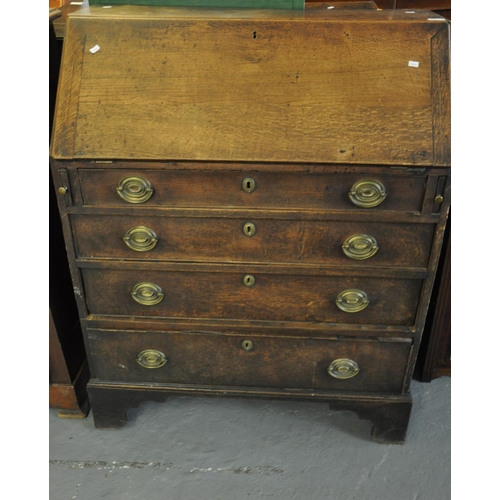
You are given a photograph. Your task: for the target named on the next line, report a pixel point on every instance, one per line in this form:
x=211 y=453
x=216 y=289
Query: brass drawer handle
x=249 y=229
x=147 y=294
x=343 y=368
x=140 y=239
x=151 y=358
x=360 y=246
x=352 y=300
x=248 y=185
x=367 y=193
x=135 y=189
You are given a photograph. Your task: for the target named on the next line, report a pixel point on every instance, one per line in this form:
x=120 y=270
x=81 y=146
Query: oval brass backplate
x=151 y=358
x=135 y=189
x=367 y=193
x=140 y=239
x=247 y=345
x=360 y=246
x=249 y=280
x=343 y=368
x=147 y=294
x=249 y=229
x=352 y=300
x=248 y=185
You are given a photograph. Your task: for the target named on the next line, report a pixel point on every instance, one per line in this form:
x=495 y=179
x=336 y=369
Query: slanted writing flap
x=362 y=87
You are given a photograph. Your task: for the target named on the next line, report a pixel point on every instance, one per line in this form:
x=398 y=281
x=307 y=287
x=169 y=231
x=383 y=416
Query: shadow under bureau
x=253 y=202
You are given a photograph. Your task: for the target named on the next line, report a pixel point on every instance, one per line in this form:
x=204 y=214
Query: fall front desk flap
x=245 y=4
x=367 y=87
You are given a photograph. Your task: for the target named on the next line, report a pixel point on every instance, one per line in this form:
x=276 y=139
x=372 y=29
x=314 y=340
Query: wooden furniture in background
x=68 y=369
x=435 y=355
x=57 y=4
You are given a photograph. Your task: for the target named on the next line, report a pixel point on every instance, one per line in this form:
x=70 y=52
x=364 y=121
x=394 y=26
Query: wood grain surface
x=273 y=361
x=279 y=190
x=273 y=297
x=340 y=89
x=204 y=239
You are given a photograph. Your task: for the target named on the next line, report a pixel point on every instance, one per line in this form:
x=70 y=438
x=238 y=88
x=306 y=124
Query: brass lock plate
x=247 y=345
x=249 y=229
x=248 y=185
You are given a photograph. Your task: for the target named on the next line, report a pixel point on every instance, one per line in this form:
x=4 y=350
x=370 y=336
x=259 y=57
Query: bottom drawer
x=361 y=365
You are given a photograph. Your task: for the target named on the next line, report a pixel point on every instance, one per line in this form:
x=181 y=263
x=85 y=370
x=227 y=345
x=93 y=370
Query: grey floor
x=236 y=449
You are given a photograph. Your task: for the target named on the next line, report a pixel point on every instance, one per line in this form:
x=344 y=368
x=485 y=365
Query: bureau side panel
x=441 y=96
x=68 y=92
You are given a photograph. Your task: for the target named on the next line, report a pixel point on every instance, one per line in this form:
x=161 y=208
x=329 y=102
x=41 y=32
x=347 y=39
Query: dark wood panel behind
x=68 y=373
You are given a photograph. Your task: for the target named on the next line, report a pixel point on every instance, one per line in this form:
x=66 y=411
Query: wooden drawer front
x=273 y=297
x=210 y=239
x=212 y=359
x=192 y=188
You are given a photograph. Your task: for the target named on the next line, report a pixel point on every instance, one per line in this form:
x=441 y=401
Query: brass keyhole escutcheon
x=135 y=189
x=249 y=280
x=248 y=185
x=247 y=345
x=249 y=229
x=151 y=358
x=367 y=193
x=343 y=368
x=140 y=239
x=352 y=300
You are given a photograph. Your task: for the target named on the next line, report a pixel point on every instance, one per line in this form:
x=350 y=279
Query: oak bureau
x=253 y=202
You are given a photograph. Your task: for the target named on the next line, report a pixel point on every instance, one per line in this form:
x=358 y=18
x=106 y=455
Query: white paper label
x=413 y=64
x=95 y=48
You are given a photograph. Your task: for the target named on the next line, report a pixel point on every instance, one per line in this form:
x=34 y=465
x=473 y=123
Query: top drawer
x=258 y=189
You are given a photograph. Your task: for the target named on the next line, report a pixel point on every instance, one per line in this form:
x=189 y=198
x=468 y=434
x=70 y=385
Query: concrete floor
x=236 y=449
